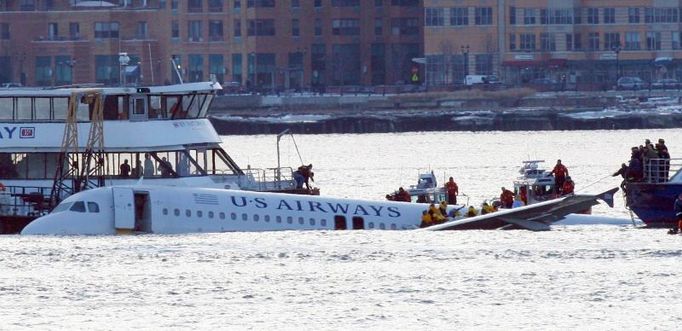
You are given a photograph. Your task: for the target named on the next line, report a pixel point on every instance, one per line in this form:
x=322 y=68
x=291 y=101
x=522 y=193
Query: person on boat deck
x=443 y=207
x=635 y=171
x=137 y=170
x=517 y=202
x=148 y=166
x=165 y=168
x=623 y=171
x=678 y=214
x=471 y=212
x=125 y=169
x=426 y=220
x=568 y=186
x=650 y=162
x=523 y=195
x=403 y=195
x=507 y=198
x=298 y=177
x=663 y=163
x=436 y=216
x=560 y=172
x=453 y=191
x=307 y=175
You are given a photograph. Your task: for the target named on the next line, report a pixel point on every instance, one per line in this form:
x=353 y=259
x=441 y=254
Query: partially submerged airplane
x=169 y=210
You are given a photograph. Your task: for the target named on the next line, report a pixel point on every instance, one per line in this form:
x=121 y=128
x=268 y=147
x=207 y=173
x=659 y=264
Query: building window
x=593 y=41
x=174 y=4
x=215 y=30
x=74 y=31
x=609 y=15
x=611 y=40
x=194 y=6
x=405 y=3
x=577 y=15
x=175 y=30
x=653 y=40
x=577 y=42
x=405 y=26
x=43 y=70
x=318 y=27
x=141 y=30
x=675 y=39
x=661 y=15
x=196 y=68
x=194 y=31
x=512 y=15
x=527 y=42
x=512 y=42
x=484 y=64
x=529 y=16
x=107 y=69
x=632 y=41
x=106 y=30
x=237 y=4
x=216 y=67
x=52 y=31
x=261 y=27
x=592 y=15
x=378 y=63
x=569 y=42
x=295 y=27
x=318 y=4
x=459 y=16
x=434 y=17
x=346 y=27
x=215 y=6
x=260 y=3
x=633 y=15
x=547 y=42
x=295 y=3
x=345 y=3
x=484 y=15
x=378 y=26
x=237 y=26
x=237 y=68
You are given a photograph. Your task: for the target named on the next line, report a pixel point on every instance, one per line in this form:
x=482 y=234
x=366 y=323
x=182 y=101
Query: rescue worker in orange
x=523 y=195
x=507 y=198
x=452 y=190
x=560 y=172
x=568 y=186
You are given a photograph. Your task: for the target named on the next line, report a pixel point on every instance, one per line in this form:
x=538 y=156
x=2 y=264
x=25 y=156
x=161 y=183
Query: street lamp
x=123 y=60
x=465 y=53
x=616 y=49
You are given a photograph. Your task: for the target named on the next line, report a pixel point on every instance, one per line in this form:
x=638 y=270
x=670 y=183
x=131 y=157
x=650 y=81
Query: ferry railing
x=268 y=179
x=25 y=201
x=658 y=170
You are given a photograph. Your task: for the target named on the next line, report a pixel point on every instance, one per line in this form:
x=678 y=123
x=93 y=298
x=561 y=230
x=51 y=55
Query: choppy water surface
x=574 y=277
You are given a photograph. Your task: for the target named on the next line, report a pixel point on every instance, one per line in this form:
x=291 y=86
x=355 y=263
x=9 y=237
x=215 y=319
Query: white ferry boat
x=161 y=133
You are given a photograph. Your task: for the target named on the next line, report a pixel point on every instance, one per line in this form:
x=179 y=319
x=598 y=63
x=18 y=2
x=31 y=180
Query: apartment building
x=262 y=44
x=577 y=42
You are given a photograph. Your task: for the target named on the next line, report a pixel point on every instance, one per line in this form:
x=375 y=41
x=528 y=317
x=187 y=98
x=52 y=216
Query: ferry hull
x=653 y=202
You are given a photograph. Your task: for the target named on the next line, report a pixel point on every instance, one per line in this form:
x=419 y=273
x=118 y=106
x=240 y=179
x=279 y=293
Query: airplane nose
x=40 y=226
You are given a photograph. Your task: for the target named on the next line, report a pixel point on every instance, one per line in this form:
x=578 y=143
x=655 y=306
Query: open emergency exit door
x=124 y=209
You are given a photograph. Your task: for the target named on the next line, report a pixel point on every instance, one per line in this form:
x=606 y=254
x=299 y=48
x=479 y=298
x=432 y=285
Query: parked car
x=666 y=84
x=630 y=83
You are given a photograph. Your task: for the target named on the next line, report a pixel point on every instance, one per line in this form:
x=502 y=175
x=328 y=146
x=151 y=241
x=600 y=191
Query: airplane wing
x=536 y=217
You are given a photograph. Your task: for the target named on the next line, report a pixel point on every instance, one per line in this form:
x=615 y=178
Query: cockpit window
x=78 y=206
x=62 y=207
x=93 y=207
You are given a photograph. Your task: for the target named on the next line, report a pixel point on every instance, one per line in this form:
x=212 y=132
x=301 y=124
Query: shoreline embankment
x=470 y=110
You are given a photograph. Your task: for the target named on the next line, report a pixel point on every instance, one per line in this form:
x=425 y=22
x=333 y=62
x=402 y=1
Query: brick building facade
x=264 y=44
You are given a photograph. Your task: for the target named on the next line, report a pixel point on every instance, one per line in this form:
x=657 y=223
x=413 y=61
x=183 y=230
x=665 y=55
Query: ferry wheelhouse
x=55 y=142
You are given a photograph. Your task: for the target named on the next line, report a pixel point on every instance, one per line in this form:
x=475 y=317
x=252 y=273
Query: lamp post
x=123 y=60
x=465 y=53
x=255 y=67
x=616 y=49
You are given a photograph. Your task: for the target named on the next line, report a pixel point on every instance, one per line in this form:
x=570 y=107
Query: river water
x=585 y=276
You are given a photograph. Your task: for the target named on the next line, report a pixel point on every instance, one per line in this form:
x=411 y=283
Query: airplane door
x=124 y=208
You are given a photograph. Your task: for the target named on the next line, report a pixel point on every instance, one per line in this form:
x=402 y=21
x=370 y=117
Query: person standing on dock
x=560 y=172
x=453 y=191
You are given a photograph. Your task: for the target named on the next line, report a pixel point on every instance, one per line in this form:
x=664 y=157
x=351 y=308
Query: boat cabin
x=535 y=183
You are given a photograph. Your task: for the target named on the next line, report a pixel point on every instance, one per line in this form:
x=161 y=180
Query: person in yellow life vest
x=443 y=207
x=472 y=211
x=486 y=208
x=426 y=219
x=436 y=216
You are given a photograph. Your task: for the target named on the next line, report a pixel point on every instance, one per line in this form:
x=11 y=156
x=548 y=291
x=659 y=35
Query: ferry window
x=221 y=215
x=173 y=106
x=301 y=220
x=139 y=106
x=24 y=109
x=256 y=217
x=154 y=106
x=200 y=213
x=191 y=105
x=210 y=214
x=83 y=111
x=267 y=218
x=370 y=225
x=188 y=213
x=312 y=221
x=165 y=211
x=323 y=222
x=245 y=217
x=60 y=105
x=78 y=206
x=6 y=108
x=42 y=108
x=176 y=212
x=382 y=226
x=93 y=207
x=278 y=219
x=205 y=105
x=290 y=220
x=233 y=216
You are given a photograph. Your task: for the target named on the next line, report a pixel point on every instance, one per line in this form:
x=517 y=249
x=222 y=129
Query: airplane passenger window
x=233 y=216
x=278 y=219
x=290 y=219
x=93 y=207
x=255 y=218
x=301 y=220
x=78 y=206
x=221 y=215
x=371 y=225
x=312 y=221
x=393 y=226
x=176 y=212
x=210 y=214
x=199 y=213
x=245 y=217
x=382 y=226
x=165 y=211
x=323 y=222
x=188 y=213
x=267 y=218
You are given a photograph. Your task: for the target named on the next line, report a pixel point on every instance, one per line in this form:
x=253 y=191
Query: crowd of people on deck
x=648 y=162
